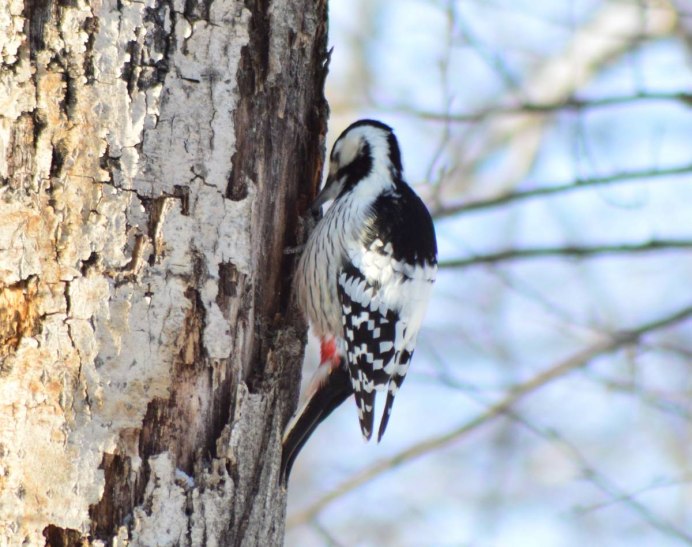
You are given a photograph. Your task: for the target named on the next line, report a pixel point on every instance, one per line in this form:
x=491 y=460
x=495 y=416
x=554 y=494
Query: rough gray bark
x=154 y=159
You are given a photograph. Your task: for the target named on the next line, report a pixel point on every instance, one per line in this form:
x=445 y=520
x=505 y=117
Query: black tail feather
x=324 y=401
x=385 y=416
x=367 y=402
x=397 y=380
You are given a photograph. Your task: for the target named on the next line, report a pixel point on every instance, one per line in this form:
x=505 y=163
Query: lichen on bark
x=152 y=170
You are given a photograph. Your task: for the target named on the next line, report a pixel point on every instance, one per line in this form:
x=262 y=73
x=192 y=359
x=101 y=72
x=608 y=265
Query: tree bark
x=154 y=159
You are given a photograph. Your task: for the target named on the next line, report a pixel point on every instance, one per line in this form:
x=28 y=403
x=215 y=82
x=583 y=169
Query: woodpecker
x=363 y=281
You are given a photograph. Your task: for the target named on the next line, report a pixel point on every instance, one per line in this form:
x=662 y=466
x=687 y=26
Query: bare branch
x=569 y=104
x=600 y=481
x=494 y=61
x=590 y=472
x=326 y=535
x=570 y=251
x=557 y=79
x=654 y=400
x=576 y=361
x=628 y=496
x=622 y=177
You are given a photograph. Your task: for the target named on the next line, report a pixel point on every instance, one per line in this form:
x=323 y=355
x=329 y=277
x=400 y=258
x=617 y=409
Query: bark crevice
x=151 y=300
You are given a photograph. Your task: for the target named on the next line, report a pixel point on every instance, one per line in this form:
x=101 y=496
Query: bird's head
x=368 y=152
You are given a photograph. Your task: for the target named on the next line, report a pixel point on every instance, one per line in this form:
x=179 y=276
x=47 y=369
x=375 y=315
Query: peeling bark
x=154 y=159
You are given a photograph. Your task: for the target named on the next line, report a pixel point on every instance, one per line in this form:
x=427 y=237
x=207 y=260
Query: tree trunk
x=154 y=158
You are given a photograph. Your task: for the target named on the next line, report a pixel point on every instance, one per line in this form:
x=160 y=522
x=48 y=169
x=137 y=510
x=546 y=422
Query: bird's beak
x=330 y=190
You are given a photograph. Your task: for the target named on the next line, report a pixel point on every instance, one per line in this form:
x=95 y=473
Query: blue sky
x=620 y=426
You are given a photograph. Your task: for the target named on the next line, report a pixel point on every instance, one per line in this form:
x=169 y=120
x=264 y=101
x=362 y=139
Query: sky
x=600 y=455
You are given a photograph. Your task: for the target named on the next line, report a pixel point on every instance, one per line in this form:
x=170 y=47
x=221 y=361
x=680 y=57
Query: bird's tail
x=393 y=386
x=333 y=390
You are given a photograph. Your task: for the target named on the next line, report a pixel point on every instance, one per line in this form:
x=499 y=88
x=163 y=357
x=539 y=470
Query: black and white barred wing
x=369 y=335
x=382 y=308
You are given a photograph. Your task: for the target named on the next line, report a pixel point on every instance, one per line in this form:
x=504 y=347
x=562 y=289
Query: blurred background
x=549 y=402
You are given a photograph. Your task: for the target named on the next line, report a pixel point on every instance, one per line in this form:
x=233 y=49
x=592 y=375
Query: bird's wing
x=370 y=336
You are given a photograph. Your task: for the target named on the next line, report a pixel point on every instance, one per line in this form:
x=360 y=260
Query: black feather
x=324 y=401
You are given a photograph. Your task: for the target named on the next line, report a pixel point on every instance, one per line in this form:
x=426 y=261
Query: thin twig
x=627 y=496
x=622 y=177
x=589 y=471
x=600 y=481
x=570 y=251
x=491 y=58
x=574 y=362
x=326 y=535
